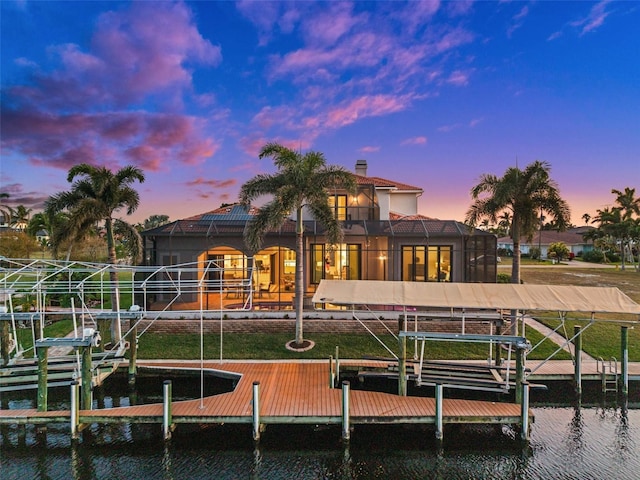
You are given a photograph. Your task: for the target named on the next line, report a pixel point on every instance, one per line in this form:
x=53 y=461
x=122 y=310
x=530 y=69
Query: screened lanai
x=410 y=248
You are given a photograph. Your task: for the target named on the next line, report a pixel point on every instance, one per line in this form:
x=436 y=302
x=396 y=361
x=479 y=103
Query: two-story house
x=384 y=239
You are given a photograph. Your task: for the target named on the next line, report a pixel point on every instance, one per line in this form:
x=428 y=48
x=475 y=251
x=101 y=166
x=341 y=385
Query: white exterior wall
x=384 y=201
x=404 y=203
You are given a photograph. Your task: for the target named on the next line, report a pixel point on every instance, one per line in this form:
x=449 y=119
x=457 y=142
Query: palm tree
x=587 y=218
x=153 y=221
x=5 y=210
x=301 y=181
x=619 y=223
x=525 y=194
x=95 y=197
x=627 y=202
x=20 y=217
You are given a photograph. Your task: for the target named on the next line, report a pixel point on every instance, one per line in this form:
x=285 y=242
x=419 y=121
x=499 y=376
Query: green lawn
x=263 y=346
x=59 y=328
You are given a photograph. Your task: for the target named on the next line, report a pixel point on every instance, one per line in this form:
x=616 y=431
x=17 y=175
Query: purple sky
x=432 y=94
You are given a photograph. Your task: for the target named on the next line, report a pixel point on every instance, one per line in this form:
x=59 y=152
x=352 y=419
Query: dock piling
x=337 y=369
x=524 y=433
x=346 y=434
x=519 y=374
x=75 y=409
x=402 y=368
x=255 y=415
x=87 y=389
x=439 y=424
x=133 y=352
x=577 y=343
x=166 y=409
x=43 y=359
x=332 y=377
x=624 y=346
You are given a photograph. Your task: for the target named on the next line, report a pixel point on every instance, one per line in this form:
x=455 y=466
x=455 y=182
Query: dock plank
x=291 y=392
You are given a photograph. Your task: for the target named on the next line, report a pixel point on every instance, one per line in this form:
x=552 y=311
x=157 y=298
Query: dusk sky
x=432 y=94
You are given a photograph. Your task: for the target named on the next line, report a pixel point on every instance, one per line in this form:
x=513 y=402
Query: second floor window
x=338 y=203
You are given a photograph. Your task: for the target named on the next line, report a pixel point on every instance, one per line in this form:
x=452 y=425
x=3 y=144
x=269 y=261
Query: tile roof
x=385 y=183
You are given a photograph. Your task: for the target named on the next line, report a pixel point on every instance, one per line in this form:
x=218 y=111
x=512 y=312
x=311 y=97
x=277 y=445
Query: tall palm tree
x=96 y=197
x=20 y=217
x=627 y=201
x=525 y=194
x=619 y=221
x=301 y=181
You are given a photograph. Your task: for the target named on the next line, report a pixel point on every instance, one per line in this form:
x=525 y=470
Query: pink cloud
x=554 y=35
x=458 y=78
x=369 y=149
x=330 y=25
x=417 y=14
x=365 y=106
x=455 y=38
x=211 y=183
x=448 y=128
x=415 y=141
x=129 y=60
x=459 y=7
x=77 y=112
x=266 y=16
x=146 y=139
x=476 y=121
x=269 y=116
x=594 y=19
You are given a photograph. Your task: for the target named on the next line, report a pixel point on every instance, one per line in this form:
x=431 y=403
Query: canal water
x=594 y=439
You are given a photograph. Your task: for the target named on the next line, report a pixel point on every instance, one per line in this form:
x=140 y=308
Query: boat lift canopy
x=561 y=298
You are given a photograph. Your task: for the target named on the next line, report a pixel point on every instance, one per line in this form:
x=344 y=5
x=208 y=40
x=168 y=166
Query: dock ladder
x=609 y=371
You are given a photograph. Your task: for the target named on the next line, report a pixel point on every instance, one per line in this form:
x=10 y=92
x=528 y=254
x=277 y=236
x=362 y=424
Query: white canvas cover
x=561 y=298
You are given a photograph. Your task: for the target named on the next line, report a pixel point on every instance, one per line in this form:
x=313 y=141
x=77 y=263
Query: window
x=338 y=203
x=340 y=263
x=426 y=264
x=481 y=258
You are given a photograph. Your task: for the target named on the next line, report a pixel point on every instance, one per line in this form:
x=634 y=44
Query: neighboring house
x=384 y=239
x=572 y=238
x=42 y=236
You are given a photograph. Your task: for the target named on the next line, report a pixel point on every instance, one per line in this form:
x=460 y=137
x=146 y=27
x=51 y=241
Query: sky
x=432 y=94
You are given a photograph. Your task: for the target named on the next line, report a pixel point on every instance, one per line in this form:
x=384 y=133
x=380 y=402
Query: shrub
x=504 y=278
x=613 y=257
x=558 y=250
x=593 y=256
x=535 y=253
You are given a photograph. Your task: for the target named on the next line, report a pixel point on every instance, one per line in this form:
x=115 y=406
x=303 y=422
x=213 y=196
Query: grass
x=264 y=346
x=56 y=329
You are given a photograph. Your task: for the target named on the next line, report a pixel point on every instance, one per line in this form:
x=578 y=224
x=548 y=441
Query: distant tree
x=15 y=244
x=301 y=180
x=5 y=210
x=619 y=226
x=558 y=250
x=524 y=194
x=20 y=217
x=95 y=198
x=505 y=223
x=586 y=217
x=36 y=223
x=153 y=221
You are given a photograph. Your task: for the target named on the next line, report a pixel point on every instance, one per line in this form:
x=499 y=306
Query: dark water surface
x=597 y=440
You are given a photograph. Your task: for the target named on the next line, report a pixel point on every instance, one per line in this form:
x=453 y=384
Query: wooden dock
x=289 y=392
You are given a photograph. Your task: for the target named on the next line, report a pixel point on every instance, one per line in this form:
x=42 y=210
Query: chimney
x=361 y=168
